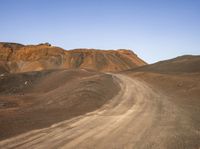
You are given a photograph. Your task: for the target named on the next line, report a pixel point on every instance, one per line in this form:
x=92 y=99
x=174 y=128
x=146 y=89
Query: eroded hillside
x=21 y=58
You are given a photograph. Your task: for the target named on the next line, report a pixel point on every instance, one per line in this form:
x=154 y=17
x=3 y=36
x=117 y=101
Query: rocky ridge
x=23 y=58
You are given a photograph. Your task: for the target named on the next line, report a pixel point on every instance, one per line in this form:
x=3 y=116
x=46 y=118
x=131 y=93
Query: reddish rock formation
x=20 y=58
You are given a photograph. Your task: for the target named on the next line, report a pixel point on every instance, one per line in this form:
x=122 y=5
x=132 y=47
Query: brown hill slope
x=21 y=58
x=32 y=100
x=181 y=64
x=179 y=77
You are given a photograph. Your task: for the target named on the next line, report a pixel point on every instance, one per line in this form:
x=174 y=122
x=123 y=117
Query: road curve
x=137 y=117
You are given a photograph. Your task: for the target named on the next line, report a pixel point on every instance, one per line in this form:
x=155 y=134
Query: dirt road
x=137 y=117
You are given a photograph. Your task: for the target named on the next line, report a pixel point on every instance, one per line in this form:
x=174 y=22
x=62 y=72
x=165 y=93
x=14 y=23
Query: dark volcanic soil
x=39 y=99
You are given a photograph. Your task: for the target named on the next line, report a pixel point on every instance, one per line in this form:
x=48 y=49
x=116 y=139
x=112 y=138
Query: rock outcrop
x=20 y=58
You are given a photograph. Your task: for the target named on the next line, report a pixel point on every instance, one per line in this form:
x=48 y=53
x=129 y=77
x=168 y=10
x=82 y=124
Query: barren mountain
x=21 y=58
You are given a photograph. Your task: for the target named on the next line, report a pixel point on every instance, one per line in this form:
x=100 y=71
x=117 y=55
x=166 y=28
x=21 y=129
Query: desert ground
x=134 y=115
x=148 y=107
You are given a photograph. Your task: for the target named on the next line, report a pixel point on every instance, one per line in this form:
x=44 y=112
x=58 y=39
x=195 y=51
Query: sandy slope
x=37 y=100
x=137 y=117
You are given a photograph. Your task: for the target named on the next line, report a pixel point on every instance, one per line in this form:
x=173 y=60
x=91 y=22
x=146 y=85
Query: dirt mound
x=21 y=58
x=181 y=64
x=39 y=99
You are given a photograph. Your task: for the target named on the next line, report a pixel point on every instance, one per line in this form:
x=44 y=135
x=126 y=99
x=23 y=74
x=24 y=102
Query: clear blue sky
x=154 y=29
